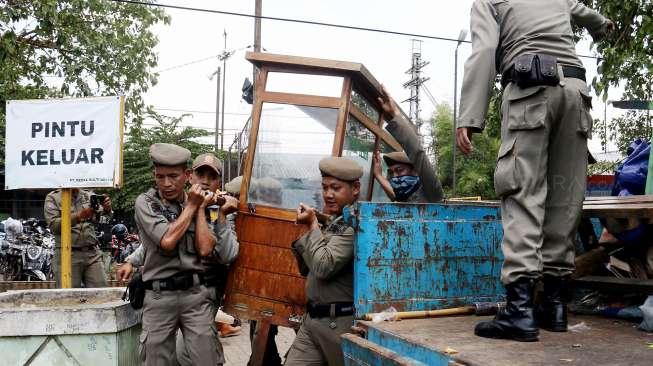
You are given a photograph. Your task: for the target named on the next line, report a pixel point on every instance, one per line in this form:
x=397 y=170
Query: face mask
x=405 y=186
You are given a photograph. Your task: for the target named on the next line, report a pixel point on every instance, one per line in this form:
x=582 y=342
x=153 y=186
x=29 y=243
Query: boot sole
x=522 y=337
x=555 y=328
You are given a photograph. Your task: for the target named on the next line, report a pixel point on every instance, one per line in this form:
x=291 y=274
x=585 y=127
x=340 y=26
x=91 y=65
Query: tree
x=626 y=60
x=627 y=54
x=57 y=48
x=474 y=173
x=137 y=167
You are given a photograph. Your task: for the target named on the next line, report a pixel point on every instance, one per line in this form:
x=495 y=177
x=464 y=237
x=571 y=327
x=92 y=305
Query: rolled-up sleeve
x=325 y=258
x=595 y=23
x=227 y=246
x=151 y=223
x=480 y=68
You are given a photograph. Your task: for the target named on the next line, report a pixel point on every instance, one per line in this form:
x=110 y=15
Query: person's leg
x=328 y=338
x=198 y=327
x=94 y=274
x=566 y=181
x=304 y=351
x=521 y=183
x=160 y=322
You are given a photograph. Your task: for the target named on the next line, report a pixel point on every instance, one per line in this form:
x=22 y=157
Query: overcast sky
x=193 y=36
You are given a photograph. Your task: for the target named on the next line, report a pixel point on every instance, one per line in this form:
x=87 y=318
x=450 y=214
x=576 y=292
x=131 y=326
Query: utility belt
x=180 y=282
x=536 y=69
x=332 y=310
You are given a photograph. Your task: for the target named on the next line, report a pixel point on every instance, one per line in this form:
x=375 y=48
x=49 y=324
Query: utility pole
x=258 y=11
x=217 y=109
x=461 y=38
x=415 y=85
x=224 y=79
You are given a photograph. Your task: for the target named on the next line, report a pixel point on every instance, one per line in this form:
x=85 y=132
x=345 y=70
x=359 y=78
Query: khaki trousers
x=166 y=311
x=183 y=357
x=317 y=343
x=541 y=176
x=87 y=268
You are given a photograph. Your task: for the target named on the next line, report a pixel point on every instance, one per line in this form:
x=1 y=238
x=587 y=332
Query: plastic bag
x=647 y=311
x=387 y=314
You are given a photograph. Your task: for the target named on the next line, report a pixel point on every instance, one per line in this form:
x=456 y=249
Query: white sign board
x=64 y=143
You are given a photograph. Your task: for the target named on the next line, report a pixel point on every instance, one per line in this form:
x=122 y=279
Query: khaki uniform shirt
x=224 y=252
x=328 y=254
x=82 y=232
x=153 y=215
x=504 y=29
x=431 y=189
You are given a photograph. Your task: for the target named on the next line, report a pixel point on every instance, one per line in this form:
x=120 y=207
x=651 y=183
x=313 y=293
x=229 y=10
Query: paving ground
x=237 y=349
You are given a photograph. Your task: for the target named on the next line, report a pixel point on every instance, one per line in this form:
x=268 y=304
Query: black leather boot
x=516 y=321
x=551 y=313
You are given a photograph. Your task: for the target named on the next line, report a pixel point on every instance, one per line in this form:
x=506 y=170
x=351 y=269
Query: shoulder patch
x=337 y=228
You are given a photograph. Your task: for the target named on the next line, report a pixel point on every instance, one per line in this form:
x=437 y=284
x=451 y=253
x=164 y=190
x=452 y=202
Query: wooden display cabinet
x=304 y=110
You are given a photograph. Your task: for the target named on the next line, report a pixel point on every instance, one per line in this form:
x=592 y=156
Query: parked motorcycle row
x=27 y=248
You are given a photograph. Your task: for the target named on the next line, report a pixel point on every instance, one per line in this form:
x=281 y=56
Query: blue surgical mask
x=405 y=186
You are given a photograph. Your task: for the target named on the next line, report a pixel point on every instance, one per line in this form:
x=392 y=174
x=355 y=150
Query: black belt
x=176 y=283
x=324 y=310
x=567 y=71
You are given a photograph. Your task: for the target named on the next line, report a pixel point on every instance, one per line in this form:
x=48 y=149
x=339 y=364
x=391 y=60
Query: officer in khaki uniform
x=87 y=265
x=411 y=177
x=175 y=233
x=541 y=169
x=326 y=252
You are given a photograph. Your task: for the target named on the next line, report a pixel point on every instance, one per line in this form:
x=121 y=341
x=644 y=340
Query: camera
x=97 y=200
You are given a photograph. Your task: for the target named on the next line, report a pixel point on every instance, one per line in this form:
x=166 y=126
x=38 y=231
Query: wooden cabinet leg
x=260 y=341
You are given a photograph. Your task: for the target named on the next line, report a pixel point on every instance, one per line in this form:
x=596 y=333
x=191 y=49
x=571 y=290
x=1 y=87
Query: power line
x=187 y=63
x=309 y=22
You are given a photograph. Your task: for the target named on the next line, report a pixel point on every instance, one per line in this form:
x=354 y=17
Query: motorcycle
x=26 y=251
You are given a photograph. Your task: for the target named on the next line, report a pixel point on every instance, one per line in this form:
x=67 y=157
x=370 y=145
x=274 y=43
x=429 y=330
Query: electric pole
x=224 y=79
x=217 y=109
x=258 y=11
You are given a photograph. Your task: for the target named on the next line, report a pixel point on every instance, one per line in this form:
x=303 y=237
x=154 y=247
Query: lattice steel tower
x=415 y=86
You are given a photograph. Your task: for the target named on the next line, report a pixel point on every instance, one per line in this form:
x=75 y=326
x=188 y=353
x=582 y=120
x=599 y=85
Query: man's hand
x=85 y=214
x=376 y=164
x=306 y=216
x=106 y=205
x=196 y=195
x=464 y=140
x=230 y=205
x=388 y=105
x=208 y=199
x=125 y=271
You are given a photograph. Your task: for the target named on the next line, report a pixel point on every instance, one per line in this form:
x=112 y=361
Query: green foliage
x=137 y=167
x=474 y=173
x=627 y=53
x=624 y=129
x=602 y=167
x=57 y=48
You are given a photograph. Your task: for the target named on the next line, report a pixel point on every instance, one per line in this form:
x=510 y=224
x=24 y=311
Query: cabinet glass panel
x=359 y=146
x=291 y=142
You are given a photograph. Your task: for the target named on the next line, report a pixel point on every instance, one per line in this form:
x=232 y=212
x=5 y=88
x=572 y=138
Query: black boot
x=516 y=321
x=551 y=313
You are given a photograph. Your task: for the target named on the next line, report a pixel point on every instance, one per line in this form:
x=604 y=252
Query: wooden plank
x=253 y=136
x=607 y=342
x=614 y=284
x=626 y=210
x=343 y=115
x=613 y=199
x=375 y=128
x=301 y=99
